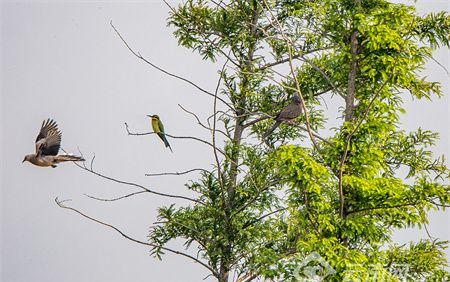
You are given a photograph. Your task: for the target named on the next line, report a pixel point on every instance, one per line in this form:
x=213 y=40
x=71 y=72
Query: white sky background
x=64 y=61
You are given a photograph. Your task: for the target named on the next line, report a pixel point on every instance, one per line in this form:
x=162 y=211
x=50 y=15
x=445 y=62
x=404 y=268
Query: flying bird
x=290 y=112
x=158 y=128
x=48 y=142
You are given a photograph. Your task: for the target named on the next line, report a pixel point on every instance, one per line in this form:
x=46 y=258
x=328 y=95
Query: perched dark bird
x=48 y=142
x=158 y=128
x=290 y=112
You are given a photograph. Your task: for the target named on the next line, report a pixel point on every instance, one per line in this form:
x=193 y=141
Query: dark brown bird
x=290 y=112
x=48 y=142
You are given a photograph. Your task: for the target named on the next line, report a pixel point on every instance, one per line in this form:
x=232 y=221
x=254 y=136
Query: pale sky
x=63 y=61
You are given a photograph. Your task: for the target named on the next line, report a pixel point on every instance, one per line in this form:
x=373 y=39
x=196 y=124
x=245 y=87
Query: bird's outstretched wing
x=48 y=139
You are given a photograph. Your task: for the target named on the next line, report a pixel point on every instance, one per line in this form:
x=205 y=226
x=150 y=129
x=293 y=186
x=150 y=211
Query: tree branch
x=285 y=60
x=176 y=173
x=216 y=157
x=324 y=75
x=291 y=67
x=135 y=184
x=61 y=205
x=175 y=137
x=306 y=129
x=247 y=224
x=201 y=124
x=139 y=56
x=115 y=199
x=347 y=144
x=381 y=207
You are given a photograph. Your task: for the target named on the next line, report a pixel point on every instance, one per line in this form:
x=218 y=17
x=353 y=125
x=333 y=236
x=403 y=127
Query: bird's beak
x=149 y=115
x=23 y=161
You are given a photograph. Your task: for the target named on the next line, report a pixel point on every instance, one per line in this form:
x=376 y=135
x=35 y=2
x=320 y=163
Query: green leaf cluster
x=264 y=209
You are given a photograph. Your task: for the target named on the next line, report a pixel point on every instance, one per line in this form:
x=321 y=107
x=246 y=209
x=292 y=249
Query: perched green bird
x=158 y=128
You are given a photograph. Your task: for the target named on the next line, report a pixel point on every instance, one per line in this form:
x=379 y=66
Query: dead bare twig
x=154 y=246
x=139 y=56
x=174 y=137
x=90 y=170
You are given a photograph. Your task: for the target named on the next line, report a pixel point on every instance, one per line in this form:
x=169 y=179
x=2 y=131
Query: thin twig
x=115 y=199
x=176 y=173
x=136 y=185
x=139 y=56
x=441 y=65
x=155 y=246
x=200 y=123
x=174 y=137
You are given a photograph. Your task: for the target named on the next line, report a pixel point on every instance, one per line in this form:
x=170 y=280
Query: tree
x=264 y=207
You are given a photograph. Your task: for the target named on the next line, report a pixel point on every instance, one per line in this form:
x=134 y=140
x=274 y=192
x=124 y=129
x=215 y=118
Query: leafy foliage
x=266 y=208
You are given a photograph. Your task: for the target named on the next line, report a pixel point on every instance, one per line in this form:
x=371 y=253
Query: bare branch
x=139 y=56
x=61 y=205
x=174 y=137
x=200 y=123
x=441 y=65
x=219 y=4
x=136 y=185
x=115 y=199
x=176 y=173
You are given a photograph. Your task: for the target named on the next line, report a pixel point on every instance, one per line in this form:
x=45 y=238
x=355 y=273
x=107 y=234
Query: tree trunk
x=223 y=275
x=350 y=99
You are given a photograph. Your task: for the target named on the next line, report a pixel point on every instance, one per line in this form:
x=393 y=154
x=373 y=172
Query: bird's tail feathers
x=68 y=158
x=268 y=132
x=164 y=139
x=166 y=143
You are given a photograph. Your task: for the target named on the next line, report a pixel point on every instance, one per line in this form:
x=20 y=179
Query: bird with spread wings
x=48 y=143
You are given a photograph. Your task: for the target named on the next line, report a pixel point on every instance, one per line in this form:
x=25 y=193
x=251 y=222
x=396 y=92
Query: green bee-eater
x=158 y=128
